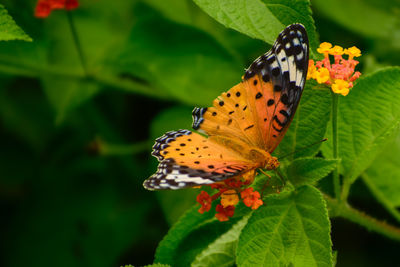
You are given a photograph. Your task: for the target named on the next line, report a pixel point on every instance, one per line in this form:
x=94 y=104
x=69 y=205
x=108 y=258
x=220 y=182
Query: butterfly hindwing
x=260 y=109
x=189 y=159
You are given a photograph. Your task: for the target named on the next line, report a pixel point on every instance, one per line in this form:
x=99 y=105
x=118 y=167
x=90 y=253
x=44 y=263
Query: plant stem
x=26 y=69
x=345 y=189
x=107 y=149
x=77 y=43
x=344 y=210
x=336 y=181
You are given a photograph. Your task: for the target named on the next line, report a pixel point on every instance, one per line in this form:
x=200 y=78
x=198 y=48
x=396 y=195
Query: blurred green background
x=75 y=143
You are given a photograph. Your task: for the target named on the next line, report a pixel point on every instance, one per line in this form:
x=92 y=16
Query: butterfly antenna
x=303 y=148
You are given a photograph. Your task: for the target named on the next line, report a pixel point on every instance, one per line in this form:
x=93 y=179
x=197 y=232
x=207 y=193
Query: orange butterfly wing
x=244 y=123
x=189 y=159
x=260 y=108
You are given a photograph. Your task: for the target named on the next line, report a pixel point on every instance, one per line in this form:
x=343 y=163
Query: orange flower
x=251 y=199
x=336 y=50
x=340 y=74
x=223 y=214
x=341 y=87
x=57 y=4
x=352 y=52
x=311 y=70
x=324 y=48
x=205 y=201
x=322 y=75
x=44 y=7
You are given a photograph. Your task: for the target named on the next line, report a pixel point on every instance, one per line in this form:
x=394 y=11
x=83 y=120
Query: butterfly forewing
x=281 y=73
x=260 y=109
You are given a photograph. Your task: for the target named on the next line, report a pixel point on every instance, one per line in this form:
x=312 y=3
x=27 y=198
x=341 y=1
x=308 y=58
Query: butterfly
x=244 y=125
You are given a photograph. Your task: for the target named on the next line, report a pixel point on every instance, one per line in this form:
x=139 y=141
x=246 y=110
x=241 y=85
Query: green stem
x=336 y=181
x=77 y=43
x=107 y=149
x=345 y=189
x=26 y=69
x=344 y=210
x=9 y=65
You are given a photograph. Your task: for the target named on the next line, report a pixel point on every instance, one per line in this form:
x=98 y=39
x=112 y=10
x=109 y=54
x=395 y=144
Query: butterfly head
x=272 y=163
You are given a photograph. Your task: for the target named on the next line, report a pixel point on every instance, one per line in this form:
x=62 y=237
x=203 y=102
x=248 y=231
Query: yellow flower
x=340 y=87
x=336 y=50
x=324 y=48
x=322 y=75
x=229 y=198
x=311 y=70
x=353 y=52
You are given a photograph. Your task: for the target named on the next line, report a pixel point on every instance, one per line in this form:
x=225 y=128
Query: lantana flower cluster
x=340 y=75
x=44 y=7
x=229 y=193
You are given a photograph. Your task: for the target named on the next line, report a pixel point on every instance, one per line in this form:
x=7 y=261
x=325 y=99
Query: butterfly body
x=244 y=125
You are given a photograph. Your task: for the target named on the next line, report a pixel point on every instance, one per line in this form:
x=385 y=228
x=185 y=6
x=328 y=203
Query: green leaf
x=171 y=8
x=334 y=258
x=66 y=94
x=368 y=119
x=200 y=238
x=190 y=65
x=383 y=178
x=153 y=265
x=291 y=229
x=382 y=20
x=261 y=19
x=309 y=170
x=9 y=30
x=222 y=251
x=250 y=17
x=167 y=250
x=193 y=234
x=308 y=126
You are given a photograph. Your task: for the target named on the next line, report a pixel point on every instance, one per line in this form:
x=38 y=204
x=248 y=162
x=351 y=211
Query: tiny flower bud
x=324 y=48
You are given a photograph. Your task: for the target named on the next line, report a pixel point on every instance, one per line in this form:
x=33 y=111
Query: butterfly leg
x=266 y=183
x=281 y=177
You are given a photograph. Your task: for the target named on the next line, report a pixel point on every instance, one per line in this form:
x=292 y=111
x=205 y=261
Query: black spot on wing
x=285 y=65
x=164 y=141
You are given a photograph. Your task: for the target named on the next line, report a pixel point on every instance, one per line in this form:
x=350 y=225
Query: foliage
x=292 y=229
x=9 y=30
x=85 y=92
